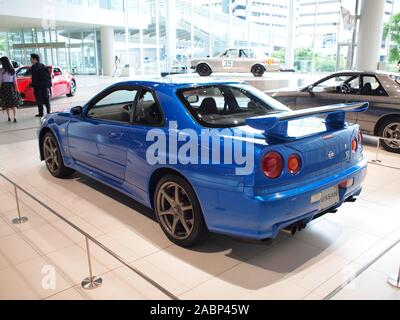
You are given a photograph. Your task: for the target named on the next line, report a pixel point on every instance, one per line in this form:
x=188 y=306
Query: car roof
x=357 y=72
x=180 y=82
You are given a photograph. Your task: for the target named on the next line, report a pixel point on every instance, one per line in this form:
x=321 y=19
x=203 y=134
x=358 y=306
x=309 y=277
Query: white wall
x=47 y=13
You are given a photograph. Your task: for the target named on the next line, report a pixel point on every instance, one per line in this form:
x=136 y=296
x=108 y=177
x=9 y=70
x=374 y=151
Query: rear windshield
x=224 y=106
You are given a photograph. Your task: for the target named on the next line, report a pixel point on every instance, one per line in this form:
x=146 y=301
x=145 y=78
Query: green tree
x=2 y=46
x=391 y=30
x=280 y=54
x=303 y=54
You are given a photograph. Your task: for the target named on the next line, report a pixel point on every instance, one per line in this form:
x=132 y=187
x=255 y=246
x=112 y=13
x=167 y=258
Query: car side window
x=243 y=53
x=233 y=53
x=24 y=72
x=116 y=106
x=57 y=71
x=147 y=111
x=345 y=84
x=372 y=87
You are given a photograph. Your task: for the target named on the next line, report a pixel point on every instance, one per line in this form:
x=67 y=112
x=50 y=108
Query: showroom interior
x=77 y=238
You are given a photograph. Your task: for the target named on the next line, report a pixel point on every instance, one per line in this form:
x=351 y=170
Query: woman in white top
x=9 y=95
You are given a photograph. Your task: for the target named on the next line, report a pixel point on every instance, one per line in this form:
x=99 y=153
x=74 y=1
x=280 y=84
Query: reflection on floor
x=310 y=265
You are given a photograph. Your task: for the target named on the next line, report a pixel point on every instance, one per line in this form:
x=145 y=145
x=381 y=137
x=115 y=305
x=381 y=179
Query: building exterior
x=150 y=36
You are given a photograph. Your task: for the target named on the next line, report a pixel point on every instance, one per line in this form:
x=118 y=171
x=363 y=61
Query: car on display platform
x=380 y=89
x=239 y=60
x=64 y=83
x=170 y=146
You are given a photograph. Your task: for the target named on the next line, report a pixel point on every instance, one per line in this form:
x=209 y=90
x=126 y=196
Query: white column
x=370 y=34
x=291 y=34
x=171 y=17
x=107 y=50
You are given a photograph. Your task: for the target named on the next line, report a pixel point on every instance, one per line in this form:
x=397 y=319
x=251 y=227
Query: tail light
x=294 y=164
x=354 y=145
x=360 y=138
x=272 y=165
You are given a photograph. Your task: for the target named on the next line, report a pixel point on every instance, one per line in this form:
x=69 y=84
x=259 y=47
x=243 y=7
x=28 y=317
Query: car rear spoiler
x=276 y=126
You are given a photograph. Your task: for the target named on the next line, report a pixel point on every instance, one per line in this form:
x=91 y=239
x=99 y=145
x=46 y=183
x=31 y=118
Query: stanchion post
x=395 y=281
x=92 y=282
x=19 y=220
x=378 y=146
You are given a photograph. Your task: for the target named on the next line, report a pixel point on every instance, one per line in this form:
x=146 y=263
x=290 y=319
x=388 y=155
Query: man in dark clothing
x=41 y=83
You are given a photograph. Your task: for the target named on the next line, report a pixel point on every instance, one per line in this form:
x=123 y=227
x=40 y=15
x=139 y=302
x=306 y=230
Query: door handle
x=116 y=135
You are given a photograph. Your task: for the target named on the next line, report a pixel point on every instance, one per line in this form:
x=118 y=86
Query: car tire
x=390 y=128
x=178 y=212
x=203 y=70
x=53 y=158
x=72 y=89
x=258 y=70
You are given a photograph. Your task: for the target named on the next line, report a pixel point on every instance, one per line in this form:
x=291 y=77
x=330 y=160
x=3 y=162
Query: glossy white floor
x=310 y=265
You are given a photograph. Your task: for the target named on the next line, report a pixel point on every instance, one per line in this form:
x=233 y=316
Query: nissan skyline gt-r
x=380 y=89
x=236 y=60
x=178 y=149
x=63 y=83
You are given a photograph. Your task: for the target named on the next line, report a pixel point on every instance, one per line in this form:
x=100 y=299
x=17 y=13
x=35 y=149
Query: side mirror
x=76 y=111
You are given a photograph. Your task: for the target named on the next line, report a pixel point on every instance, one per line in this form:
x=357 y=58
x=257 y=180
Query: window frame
x=180 y=94
x=377 y=80
x=351 y=76
x=139 y=89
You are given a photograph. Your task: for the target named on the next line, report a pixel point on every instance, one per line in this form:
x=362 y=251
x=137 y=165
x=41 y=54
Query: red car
x=64 y=83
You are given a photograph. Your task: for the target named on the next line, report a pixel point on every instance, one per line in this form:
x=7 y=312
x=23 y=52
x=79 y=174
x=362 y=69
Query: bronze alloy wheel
x=175 y=211
x=50 y=150
x=53 y=157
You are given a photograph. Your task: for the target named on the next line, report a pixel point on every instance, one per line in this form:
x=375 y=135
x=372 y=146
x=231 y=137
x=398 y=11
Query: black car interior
x=208 y=106
x=146 y=112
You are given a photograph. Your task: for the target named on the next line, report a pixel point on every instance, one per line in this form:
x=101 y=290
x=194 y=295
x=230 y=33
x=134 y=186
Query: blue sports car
x=211 y=157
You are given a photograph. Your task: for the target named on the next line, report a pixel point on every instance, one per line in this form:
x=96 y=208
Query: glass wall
x=72 y=49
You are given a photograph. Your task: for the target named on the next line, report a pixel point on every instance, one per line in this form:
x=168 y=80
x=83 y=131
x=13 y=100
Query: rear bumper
x=263 y=216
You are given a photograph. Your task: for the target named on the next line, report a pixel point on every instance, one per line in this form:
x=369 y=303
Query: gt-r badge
x=331 y=155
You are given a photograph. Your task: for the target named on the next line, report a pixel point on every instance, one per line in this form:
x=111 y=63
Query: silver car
x=236 y=60
x=380 y=89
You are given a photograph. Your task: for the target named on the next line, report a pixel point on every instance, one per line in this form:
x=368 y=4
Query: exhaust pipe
x=351 y=199
x=291 y=230
x=294 y=228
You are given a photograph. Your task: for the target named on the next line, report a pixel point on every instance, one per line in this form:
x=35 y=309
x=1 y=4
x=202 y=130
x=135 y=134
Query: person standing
x=116 y=65
x=9 y=95
x=41 y=83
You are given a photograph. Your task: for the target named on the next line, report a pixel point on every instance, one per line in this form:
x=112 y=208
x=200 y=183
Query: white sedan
x=236 y=61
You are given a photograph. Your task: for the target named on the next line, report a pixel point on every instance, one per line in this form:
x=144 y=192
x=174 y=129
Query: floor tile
x=14 y=250
x=47 y=238
x=370 y=285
